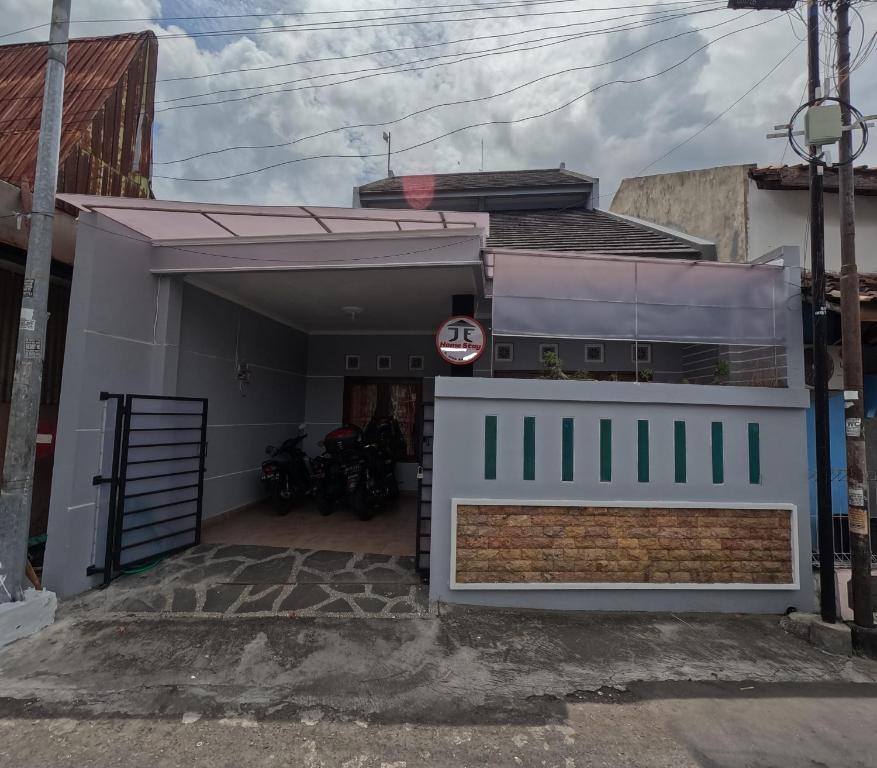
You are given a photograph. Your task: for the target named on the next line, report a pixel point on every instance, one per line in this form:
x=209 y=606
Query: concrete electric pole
x=854 y=406
x=17 y=488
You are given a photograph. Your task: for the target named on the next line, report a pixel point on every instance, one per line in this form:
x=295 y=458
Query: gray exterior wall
x=216 y=335
x=462 y=404
x=326 y=374
x=666 y=363
x=117 y=341
x=710 y=203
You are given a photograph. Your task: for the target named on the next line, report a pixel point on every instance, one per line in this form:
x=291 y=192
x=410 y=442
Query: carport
x=277 y=317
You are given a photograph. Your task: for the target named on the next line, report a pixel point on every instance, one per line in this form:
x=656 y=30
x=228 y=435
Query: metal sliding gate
x=155 y=485
x=424 y=492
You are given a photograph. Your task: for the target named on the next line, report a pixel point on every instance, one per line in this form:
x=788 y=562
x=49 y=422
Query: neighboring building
x=607 y=495
x=747 y=211
x=106 y=149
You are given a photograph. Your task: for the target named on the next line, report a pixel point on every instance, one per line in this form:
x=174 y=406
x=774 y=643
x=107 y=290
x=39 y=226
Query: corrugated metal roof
x=581 y=230
x=95 y=67
x=462 y=182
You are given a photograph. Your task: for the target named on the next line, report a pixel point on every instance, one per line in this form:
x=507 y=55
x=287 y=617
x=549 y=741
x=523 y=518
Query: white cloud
x=610 y=134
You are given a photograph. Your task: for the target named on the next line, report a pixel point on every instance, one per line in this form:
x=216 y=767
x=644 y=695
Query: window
x=385 y=362
x=544 y=349
x=594 y=353
x=351 y=362
x=641 y=353
x=391 y=398
x=504 y=352
x=415 y=363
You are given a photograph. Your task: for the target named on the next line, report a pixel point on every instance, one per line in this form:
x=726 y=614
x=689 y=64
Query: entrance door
x=390 y=398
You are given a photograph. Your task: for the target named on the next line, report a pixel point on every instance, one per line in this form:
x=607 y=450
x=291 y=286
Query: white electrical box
x=822 y=125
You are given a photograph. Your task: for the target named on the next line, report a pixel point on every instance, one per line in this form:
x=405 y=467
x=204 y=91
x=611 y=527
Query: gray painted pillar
x=168 y=315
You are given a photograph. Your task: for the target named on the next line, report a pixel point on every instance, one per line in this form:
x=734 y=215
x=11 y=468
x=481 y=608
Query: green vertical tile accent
x=490 y=447
x=605 y=450
x=567 y=433
x=718 y=451
x=754 y=454
x=642 y=450
x=679 y=452
x=529 y=447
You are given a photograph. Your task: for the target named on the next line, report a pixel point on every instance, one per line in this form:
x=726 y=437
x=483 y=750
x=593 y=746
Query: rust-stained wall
x=709 y=203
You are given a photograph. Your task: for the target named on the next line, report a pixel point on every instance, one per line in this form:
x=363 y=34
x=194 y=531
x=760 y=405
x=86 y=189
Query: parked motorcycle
x=350 y=470
x=385 y=444
x=286 y=474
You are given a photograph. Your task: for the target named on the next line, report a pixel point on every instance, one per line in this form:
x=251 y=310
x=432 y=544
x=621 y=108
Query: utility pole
x=857 y=514
x=17 y=488
x=828 y=603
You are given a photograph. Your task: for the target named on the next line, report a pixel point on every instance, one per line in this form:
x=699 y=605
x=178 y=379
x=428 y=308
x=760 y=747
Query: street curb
x=865 y=641
x=833 y=638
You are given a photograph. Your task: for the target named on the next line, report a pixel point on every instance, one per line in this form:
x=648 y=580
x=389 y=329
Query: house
x=227 y=326
x=106 y=149
x=746 y=210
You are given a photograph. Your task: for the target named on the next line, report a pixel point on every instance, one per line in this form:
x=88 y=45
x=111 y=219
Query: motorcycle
x=384 y=443
x=350 y=470
x=286 y=474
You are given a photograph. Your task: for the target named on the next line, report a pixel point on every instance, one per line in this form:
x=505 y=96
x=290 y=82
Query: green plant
x=552 y=367
x=722 y=370
x=646 y=374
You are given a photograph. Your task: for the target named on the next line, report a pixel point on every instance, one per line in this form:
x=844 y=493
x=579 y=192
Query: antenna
x=387 y=137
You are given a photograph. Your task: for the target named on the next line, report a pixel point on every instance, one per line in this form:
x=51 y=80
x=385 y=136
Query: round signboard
x=460 y=340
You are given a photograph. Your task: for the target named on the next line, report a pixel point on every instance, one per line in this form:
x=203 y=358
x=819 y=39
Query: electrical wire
x=387 y=123
x=347 y=81
x=511 y=121
x=724 y=112
x=687 y=7
x=563 y=38
x=621 y=28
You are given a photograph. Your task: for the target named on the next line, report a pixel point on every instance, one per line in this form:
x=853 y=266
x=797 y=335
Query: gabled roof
x=462 y=182
x=95 y=65
x=796 y=177
x=584 y=231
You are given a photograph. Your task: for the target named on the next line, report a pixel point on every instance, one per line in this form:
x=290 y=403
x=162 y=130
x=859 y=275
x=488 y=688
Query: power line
x=724 y=112
x=460 y=102
x=511 y=121
x=466 y=57
x=559 y=38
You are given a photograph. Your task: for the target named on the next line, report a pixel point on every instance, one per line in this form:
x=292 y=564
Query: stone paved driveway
x=243 y=580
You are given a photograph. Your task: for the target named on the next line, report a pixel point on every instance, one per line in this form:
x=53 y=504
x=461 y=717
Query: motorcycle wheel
x=361 y=506
x=282 y=506
x=325 y=506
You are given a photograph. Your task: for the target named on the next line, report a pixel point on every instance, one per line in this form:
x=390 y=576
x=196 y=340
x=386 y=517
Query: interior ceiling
x=391 y=299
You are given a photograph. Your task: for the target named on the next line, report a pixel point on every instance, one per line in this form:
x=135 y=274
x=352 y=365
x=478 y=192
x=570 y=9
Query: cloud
x=611 y=134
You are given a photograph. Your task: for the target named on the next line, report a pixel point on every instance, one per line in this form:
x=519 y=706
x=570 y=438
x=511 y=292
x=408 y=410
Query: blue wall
x=837 y=451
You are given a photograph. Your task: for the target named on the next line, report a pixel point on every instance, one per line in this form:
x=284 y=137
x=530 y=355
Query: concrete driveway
x=468 y=687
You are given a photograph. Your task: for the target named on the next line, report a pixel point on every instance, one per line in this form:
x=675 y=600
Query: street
x=470 y=688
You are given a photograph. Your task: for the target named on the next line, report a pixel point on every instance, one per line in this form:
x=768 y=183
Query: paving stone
x=391 y=590
x=262 y=603
x=184 y=600
x=221 y=597
x=368 y=559
x=327 y=561
x=139 y=605
x=380 y=574
x=369 y=604
x=402 y=606
x=247 y=551
x=337 y=606
x=276 y=571
x=354 y=588
x=303 y=596
x=216 y=572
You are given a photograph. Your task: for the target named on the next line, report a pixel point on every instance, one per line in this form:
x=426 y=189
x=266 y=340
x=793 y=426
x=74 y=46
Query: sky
x=569 y=47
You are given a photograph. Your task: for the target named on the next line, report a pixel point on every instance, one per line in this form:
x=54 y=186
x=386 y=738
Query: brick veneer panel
x=531 y=544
